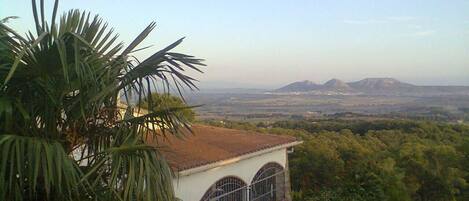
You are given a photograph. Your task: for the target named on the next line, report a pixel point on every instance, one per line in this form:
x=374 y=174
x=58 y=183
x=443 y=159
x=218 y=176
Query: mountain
x=379 y=84
x=307 y=86
x=371 y=86
x=301 y=86
x=336 y=84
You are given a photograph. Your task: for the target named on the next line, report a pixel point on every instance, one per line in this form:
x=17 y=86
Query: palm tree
x=62 y=135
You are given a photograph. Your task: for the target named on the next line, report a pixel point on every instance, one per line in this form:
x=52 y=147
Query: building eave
x=236 y=159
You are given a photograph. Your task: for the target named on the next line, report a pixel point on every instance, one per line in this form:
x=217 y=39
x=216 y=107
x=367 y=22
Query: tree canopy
x=361 y=160
x=169 y=102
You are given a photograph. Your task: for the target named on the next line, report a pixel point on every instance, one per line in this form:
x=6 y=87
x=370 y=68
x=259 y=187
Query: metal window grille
x=268 y=184
x=226 y=189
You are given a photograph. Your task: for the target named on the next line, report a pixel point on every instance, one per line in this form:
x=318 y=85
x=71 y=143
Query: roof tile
x=210 y=144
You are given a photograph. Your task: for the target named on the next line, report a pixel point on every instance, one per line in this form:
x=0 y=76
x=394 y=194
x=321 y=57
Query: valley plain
x=384 y=97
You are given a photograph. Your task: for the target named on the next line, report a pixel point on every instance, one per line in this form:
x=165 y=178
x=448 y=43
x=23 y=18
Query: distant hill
x=380 y=84
x=337 y=85
x=370 y=86
x=301 y=86
x=308 y=86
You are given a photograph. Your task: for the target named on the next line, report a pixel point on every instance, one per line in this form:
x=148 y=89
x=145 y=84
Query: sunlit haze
x=267 y=44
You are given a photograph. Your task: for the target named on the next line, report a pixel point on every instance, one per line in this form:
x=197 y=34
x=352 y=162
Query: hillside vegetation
x=395 y=160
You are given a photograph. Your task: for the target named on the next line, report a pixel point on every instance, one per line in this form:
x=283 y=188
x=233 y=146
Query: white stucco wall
x=192 y=187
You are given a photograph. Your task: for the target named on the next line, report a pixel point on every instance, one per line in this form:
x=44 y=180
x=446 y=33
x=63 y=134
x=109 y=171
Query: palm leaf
x=61 y=127
x=39 y=165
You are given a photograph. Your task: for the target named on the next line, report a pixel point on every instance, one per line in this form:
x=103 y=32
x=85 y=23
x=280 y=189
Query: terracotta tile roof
x=211 y=144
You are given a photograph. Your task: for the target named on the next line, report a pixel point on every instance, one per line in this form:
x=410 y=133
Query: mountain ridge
x=369 y=86
x=299 y=86
x=336 y=84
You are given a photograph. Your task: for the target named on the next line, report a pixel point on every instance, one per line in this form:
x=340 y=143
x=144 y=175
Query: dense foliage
x=395 y=160
x=169 y=102
x=63 y=132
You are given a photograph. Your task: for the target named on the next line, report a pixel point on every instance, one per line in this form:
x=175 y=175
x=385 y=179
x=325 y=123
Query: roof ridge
x=211 y=144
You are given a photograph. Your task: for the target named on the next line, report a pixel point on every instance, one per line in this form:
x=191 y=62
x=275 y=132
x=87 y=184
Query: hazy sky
x=254 y=43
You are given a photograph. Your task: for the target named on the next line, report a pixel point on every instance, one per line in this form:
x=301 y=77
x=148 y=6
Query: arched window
x=268 y=183
x=226 y=189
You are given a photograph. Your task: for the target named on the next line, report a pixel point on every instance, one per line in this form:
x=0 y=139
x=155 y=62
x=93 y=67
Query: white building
x=230 y=165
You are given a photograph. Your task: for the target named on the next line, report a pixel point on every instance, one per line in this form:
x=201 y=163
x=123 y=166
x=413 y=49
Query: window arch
x=268 y=184
x=226 y=189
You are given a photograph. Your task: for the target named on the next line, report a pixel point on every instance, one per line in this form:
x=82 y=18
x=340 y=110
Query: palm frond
x=32 y=165
x=136 y=168
x=61 y=129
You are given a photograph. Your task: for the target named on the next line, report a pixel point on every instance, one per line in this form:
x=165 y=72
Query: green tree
x=62 y=136
x=169 y=102
x=393 y=160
